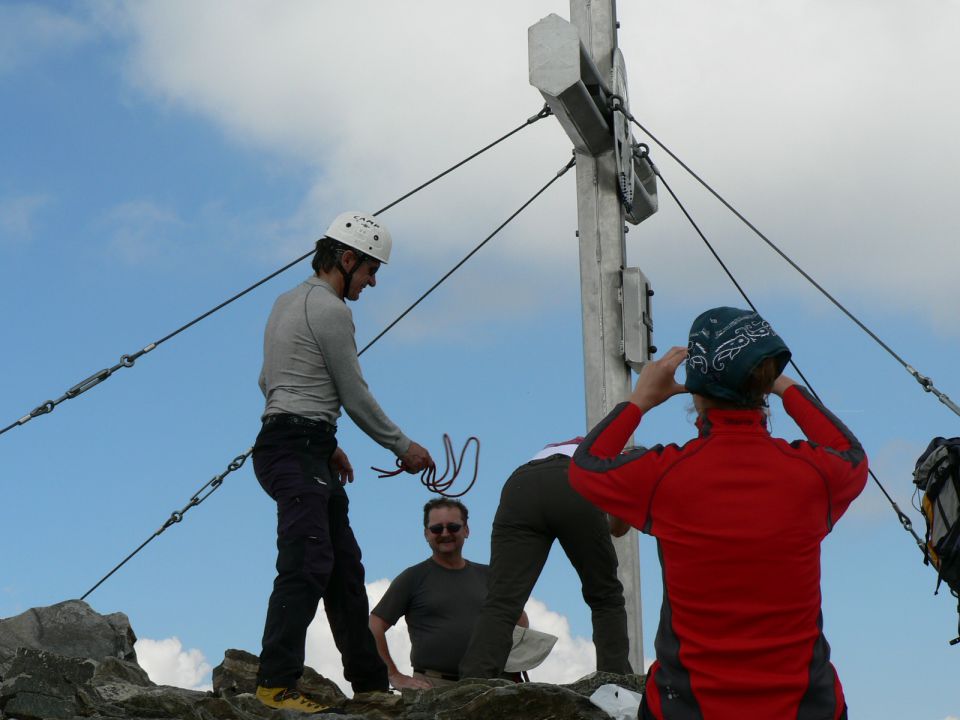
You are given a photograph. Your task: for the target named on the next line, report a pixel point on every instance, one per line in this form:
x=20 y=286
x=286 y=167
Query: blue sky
x=157 y=157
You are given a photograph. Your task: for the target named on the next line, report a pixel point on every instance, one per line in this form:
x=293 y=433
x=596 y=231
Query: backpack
x=937 y=476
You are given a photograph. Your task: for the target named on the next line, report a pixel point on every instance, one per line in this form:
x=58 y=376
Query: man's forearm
x=378 y=628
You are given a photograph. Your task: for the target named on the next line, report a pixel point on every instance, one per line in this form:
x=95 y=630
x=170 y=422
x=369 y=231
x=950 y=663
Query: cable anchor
x=545 y=112
x=928 y=386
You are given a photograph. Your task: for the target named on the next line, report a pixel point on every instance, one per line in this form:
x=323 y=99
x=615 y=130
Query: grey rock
x=162 y=702
x=46 y=673
x=588 y=684
x=425 y=704
x=113 y=670
x=238 y=674
x=530 y=701
x=42 y=684
x=35 y=706
x=65 y=684
x=71 y=628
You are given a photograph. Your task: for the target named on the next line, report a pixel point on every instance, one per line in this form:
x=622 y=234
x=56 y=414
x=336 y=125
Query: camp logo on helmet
x=367 y=223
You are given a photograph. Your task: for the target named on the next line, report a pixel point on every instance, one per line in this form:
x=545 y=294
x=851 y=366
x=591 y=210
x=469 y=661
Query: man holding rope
x=310 y=370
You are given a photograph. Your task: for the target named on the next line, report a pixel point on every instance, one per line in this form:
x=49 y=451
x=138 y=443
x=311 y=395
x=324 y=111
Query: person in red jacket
x=738 y=516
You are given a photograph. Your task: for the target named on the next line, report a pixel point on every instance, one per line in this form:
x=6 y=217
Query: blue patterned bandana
x=725 y=346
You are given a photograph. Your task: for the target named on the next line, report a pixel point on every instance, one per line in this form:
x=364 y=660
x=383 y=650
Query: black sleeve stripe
x=591 y=463
x=855 y=454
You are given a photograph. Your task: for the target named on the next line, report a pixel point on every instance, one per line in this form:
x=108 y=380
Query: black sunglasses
x=451 y=528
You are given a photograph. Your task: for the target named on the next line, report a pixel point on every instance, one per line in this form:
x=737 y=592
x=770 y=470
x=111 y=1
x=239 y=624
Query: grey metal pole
x=600 y=218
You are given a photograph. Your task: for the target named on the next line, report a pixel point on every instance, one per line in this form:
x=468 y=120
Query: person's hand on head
x=657 y=383
x=781 y=384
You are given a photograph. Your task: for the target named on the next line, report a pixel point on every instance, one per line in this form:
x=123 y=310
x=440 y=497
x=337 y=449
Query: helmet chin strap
x=347 y=279
x=348 y=275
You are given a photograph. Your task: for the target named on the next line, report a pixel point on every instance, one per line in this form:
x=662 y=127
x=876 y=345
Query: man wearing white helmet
x=310 y=370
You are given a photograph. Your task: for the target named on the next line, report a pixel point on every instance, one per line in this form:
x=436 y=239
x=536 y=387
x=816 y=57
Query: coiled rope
x=429 y=479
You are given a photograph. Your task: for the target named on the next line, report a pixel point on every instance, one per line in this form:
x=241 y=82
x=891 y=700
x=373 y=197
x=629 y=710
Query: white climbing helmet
x=363 y=232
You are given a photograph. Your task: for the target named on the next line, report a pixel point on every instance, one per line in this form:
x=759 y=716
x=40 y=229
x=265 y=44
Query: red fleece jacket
x=739 y=517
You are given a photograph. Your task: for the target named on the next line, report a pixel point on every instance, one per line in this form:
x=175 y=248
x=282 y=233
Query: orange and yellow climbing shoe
x=290 y=699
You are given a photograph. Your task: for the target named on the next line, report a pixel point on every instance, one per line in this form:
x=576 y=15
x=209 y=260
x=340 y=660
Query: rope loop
x=428 y=478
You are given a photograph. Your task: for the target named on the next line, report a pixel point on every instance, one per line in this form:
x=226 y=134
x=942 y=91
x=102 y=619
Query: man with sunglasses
x=440 y=599
x=310 y=371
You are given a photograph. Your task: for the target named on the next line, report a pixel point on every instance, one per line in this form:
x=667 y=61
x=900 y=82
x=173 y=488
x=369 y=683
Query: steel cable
x=127 y=361
x=925 y=382
x=211 y=486
x=901 y=516
x=440 y=486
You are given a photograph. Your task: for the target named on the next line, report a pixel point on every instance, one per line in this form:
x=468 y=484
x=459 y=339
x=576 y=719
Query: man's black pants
x=538 y=506
x=317 y=557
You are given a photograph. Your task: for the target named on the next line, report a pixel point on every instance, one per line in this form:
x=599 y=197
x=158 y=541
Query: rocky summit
x=66 y=662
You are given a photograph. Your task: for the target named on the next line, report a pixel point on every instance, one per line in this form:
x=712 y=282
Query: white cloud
x=321 y=652
x=167 y=663
x=28 y=32
x=847 y=165
x=893 y=464
x=572 y=657
x=17 y=217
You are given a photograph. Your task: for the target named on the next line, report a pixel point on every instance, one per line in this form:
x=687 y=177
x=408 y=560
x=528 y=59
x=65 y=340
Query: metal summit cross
x=579 y=70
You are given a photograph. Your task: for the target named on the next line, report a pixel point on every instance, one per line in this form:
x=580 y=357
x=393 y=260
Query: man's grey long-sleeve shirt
x=310 y=365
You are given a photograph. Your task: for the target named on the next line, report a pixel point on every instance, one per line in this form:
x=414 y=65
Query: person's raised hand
x=656 y=383
x=781 y=384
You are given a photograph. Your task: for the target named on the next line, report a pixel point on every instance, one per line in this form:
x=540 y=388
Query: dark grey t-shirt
x=441 y=607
